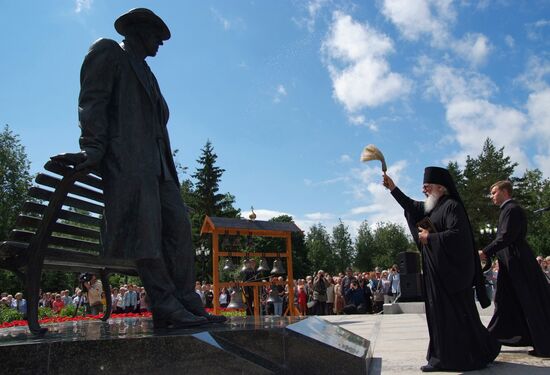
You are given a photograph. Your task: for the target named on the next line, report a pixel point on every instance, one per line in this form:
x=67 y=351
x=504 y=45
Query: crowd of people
x=88 y=297
x=352 y=292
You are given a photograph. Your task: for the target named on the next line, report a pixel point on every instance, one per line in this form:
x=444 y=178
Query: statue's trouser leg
x=159 y=287
x=177 y=246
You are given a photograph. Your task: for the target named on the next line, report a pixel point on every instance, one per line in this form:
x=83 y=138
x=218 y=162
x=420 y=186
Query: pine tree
x=479 y=174
x=203 y=197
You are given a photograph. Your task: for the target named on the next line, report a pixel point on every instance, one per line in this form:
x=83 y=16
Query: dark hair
x=503 y=185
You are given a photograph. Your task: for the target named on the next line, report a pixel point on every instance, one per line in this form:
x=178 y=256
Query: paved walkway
x=401 y=340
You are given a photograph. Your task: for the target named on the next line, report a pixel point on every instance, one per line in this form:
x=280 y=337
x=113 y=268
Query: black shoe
x=179 y=319
x=194 y=306
x=429 y=368
x=535 y=354
x=214 y=318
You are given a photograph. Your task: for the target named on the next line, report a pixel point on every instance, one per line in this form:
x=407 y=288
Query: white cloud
x=535 y=30
x=510 y=41
x=318 y=216
x=226 y=23
x=312 y=9
x=536 y=72
x=367 y=186
x=415 y=18
x=83 y=5
x=543 y=163
x=448 y=83
x=538 y=108
x=433 y=18
x=474 y=48
x=356 y=59
x=264 y=214
x=473 y=117
x=280 y=92
x=345 y=158
x=360 y=120
x=329 y=181
x=475 y=120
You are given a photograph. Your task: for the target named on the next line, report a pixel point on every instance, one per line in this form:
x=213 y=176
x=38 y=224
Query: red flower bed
x=61 y=319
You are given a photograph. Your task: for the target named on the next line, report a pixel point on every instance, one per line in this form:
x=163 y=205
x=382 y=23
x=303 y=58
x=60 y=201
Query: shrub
x=9 y=315
x=70 y=309
x=45 y=312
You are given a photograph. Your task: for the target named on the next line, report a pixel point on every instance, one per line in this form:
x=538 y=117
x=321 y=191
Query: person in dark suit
x=123 y=118
x=522 y=299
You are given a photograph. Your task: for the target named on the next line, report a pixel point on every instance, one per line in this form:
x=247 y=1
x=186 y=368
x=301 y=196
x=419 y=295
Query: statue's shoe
x=179 y=319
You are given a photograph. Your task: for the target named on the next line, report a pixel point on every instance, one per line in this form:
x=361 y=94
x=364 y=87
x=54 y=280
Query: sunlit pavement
x=400 y=342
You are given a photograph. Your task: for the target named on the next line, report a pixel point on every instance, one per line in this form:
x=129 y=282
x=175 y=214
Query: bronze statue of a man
x=123 y=118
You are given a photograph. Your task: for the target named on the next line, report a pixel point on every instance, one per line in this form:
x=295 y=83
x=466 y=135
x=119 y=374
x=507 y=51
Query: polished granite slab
x=266 y=345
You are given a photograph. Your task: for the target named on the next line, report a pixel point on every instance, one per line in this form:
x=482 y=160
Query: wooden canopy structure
x=234 y=226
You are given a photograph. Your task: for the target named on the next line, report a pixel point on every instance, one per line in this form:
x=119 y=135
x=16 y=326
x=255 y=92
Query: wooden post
x=256 y=301
x=215 y=272
x=290 y=275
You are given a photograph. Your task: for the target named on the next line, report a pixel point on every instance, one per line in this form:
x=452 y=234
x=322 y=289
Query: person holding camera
x=355 y=296
x=320 y=285
x=93 y=287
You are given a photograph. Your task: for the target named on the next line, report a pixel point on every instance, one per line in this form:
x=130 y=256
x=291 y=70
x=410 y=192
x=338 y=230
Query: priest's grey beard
x=431 y=201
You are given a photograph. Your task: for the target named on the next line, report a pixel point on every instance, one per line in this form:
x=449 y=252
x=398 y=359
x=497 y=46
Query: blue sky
x=289 y=92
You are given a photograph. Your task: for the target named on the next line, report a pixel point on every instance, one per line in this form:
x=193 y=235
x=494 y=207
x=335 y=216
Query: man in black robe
x=458 y=339
x=123 y=117
x=522 y=300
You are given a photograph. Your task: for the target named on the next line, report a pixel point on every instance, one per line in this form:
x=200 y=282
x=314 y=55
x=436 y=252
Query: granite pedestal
x=268 y=345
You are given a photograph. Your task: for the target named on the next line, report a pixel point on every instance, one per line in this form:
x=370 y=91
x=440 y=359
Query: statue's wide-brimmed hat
x=141 y=16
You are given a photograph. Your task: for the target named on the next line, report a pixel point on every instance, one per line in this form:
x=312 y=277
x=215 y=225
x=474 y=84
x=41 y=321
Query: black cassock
x=522 y=300
x=458 y=339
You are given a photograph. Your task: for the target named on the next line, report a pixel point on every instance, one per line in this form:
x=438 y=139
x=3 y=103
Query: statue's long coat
x=123 y=118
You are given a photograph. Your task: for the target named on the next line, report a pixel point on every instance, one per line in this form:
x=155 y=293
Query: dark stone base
x=269 y=345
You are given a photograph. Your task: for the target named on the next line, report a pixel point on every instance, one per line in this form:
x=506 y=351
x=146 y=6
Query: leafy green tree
x=364 y=245
x=56 y=281
x=342 y=247
x=299 y=252
x=319 y=251
x=389 y=240
x=15 y=179
x=532 y=191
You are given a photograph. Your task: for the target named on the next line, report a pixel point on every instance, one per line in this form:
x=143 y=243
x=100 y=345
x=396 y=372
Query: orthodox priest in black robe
x=451 y=270
x=522 y=300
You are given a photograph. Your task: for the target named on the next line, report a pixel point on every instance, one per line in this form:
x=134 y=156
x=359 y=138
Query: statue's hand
x=80 y=160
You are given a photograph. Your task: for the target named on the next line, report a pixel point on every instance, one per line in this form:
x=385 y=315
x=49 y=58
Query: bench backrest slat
x=45 y=195
x=62 y=170
x=37 y=208
x=53 y=182
x=56 y=240
x=24 y=221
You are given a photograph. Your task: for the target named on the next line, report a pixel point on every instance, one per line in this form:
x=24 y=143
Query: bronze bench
x=59 y=229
